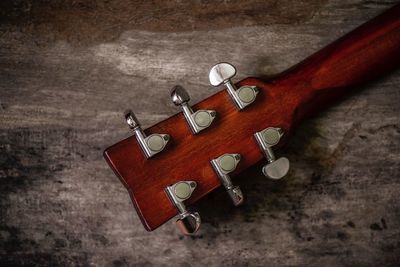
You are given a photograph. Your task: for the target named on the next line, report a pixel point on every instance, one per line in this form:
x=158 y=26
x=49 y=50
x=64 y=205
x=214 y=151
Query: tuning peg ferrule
x=187 y=222
x=224 y=165
x=266 y=139
x=150 y=145
x=222 y=74
x=198 y=120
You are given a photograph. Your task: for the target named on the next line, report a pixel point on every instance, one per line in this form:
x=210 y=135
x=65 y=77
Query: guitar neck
x=360 y=56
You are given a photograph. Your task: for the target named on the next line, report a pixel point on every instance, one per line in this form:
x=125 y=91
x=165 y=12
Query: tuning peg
x=224 y=165
x=151 y=144
x=198 y=120
x=222 y=74
x=266 y=139
x=188 y=222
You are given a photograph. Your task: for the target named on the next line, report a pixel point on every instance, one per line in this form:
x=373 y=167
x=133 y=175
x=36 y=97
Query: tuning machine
x=224 y=165
x=266 y=139
x=199 y=120
x=187 y=222
x=222 y=74
x=151 y=144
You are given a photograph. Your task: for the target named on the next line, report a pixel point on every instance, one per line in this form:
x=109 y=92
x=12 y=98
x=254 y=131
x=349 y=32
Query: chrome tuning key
x=198 y=120
x=266 y=139
x=221 y=74
x=224 y=165
x=151 y=144
x=187 y=222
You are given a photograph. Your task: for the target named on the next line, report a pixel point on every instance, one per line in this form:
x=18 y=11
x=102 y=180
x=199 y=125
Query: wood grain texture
x=364 y=54
x=61 y=104
x=72 y=20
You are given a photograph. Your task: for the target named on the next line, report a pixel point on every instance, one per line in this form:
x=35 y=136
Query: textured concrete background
x=68 y=69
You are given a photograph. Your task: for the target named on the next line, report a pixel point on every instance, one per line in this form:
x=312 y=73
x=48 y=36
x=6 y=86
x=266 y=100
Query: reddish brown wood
x=284 y=101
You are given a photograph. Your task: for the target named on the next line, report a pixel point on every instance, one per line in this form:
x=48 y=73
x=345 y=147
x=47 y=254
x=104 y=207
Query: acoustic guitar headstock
x=181 y=159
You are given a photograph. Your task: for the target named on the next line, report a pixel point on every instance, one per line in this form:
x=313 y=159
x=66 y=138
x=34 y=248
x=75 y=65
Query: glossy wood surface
x=284 y=101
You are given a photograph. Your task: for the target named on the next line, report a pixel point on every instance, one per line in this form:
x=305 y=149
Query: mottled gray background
x=68 y=69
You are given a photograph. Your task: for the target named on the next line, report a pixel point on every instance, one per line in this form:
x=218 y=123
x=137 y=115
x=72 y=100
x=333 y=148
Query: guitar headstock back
x=188 y=155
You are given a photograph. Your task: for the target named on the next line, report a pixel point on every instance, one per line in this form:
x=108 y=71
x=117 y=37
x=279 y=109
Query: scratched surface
x=68 y=69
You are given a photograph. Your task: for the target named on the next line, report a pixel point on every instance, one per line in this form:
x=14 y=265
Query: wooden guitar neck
x=283 y=101
x=360 y=56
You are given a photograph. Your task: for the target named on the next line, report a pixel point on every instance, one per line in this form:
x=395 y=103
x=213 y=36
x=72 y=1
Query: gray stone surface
x=61 y=100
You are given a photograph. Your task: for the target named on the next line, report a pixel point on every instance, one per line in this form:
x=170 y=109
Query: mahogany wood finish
x=284 y=101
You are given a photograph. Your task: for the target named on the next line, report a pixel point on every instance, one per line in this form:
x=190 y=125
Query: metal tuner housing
x=266 y=139
x=224 y=165
x=150 y=145
x=199 y=120
x=188 y=222
x=222 y=73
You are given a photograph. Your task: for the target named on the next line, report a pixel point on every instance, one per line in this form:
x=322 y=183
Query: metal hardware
x=151 y=144
x=242 y=97
x=198 y=120
x=224 y=165
x=266 y=139
x=188 y=222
